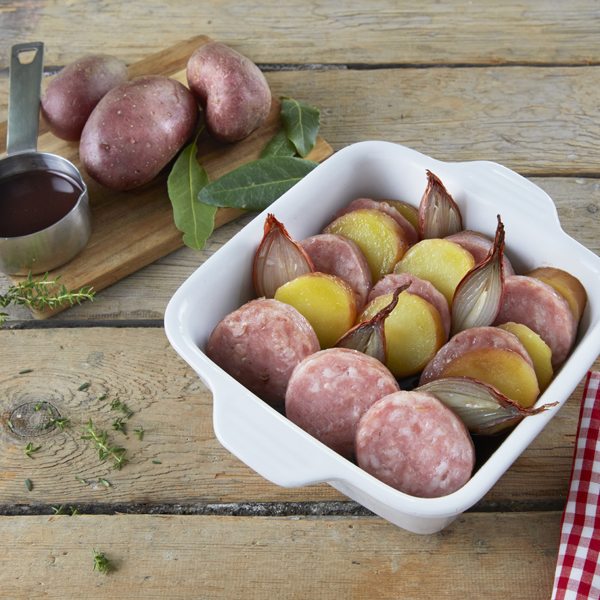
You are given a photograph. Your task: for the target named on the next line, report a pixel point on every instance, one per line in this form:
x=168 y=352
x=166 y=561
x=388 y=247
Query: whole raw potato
x=232 y=90
x=75 y=91
x=135 y=130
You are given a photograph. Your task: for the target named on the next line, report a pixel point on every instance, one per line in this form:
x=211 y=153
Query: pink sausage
x=479 y=247
x=412 y=237
x=419 y=287
x=337 y=255
x=468 y=340
x=415 y=444
x=329 y=391
x=260 y=343
x=540 y=307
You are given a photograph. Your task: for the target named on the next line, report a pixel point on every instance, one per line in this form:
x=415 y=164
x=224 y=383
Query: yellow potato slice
x=506 y=370
x=413 y=332
x=327 y=302
x=537 y=349
x=439 y=261
x=565 y=284
x=381 y=239
x=409 y=212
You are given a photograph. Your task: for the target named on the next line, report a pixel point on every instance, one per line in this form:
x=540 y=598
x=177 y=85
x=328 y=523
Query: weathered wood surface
x=497 y=557
x=379 y=31
x=173 y=406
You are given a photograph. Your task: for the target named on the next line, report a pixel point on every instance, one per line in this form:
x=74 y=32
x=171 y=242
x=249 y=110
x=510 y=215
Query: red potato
x=75 y=91
x=135 y=130
x=231 y=89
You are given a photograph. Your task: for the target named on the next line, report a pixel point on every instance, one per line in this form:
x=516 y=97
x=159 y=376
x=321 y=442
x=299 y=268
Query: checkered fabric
x=577 y=570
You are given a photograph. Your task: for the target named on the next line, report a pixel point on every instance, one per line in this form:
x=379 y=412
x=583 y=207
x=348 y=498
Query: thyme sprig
x=41 y=294
x=101 y=562
x=116 y=404
x=60 y=422
x=99 y=440
x=30 y=449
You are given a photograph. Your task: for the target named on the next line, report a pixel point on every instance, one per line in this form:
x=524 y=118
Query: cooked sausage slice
x=340 y=256
x=538 y=305
x=415 y=444
x=479 y=246
x=260 y=343
x=329 y=391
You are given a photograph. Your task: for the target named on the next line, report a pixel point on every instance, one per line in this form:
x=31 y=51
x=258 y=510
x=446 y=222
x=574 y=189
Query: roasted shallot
x=439 y=215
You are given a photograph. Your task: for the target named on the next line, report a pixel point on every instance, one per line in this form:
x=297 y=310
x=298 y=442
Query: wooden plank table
x=513 y=83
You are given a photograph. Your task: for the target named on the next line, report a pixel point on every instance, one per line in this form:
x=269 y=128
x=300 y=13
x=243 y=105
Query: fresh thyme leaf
x=103 y=482
x=25 y=371
x=74 y=511
x=38 y=406
x=83 y=386
x=59 y=510
x=103 y=397
x=49 y=410
x=82 y=480
x=156 y=462
x=11 y=425
x=302 y=123
x=139 y=432
x=256 y=185
x=194 y=218
x=30 y=449
x=116 y=404
x=279 y=145
x=101 y=562
x=41 y=294
x=29 y=484
x=60 y=422
x=118 y=425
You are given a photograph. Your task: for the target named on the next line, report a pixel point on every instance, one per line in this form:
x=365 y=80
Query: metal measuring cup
x=55 y=245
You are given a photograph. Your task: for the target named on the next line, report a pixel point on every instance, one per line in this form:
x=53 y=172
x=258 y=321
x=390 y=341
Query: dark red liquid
x=34 y=200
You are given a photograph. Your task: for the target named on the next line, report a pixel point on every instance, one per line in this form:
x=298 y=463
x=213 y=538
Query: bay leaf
x=301 y=123
x=279 y=145
x=195 y=219
x=257 y=184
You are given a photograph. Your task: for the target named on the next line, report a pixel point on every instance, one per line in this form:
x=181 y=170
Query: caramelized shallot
x=368 y=337
x=481 y=407
x=278 y=259
x=439 y=215
x=478 y=296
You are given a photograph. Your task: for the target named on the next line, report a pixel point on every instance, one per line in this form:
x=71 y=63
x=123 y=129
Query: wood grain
x=171 y=557
x=173 y=406
x=380 y=31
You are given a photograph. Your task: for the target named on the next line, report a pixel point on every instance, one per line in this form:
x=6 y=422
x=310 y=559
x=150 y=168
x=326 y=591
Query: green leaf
x=257 y=184
x=279 y=145
x=195 y=219
x=301 y=124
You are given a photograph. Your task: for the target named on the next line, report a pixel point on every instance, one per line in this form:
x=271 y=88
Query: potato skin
x=75 y=91
x=231 y=89
x=135 y=130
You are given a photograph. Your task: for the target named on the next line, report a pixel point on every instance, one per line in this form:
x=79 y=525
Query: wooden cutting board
x=134 y=228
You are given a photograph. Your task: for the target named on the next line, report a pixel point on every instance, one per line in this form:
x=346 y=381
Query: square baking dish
x=284 y=454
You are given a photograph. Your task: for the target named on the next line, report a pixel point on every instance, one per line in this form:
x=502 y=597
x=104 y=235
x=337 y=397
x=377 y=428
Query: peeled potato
x=439 y=261
x=413 y=332
x=537 y=349
x=381 y=239
x=565 y=284
x=327 y=302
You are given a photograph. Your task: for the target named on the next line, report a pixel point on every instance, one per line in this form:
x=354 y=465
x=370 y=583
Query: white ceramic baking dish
x=280 y=451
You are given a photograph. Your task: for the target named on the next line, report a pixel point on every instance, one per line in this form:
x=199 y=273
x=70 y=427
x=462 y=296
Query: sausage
x=419 y=287
x=340 y=256
x=540 y=307
x=260 y=343
x=415 y=444
x=329 y=391
x=469 y=340
x=412 y=237
x=479 y=246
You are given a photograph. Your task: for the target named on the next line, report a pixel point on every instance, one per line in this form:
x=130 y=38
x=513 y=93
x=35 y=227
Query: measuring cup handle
x=24 y=98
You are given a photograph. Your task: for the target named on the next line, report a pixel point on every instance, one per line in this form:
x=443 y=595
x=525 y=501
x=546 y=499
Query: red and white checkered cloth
x=577 y=569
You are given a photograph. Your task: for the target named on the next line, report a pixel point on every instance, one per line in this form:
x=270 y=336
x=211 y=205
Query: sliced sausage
x=412 y=237
x=340 y=256
x=479 y=246
x=538 y=305
x=415 y=444
x=329 y=391
x=260 y=343
x=419 y=287
x=467 y=341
